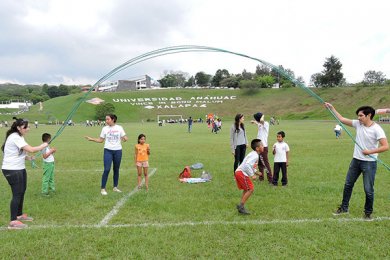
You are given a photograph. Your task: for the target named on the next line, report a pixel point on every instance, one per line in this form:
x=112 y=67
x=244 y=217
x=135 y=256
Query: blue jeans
x=109 y=157
x=17 y=179
x=368 y=168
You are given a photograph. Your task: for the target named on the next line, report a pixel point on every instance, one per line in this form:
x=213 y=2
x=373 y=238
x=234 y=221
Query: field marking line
x=79 y=170
x=122 y=201
x=209 y=223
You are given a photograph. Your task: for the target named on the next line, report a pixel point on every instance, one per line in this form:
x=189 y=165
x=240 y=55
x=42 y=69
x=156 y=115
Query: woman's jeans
x=17 y=179
x=109 y=157
x=239 y=155
x=368 y=168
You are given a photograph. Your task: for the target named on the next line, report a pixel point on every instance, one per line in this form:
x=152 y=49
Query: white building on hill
x=136 y=83
x=16 y=104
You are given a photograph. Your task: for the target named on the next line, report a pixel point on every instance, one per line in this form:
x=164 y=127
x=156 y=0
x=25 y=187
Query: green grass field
x=184 y=221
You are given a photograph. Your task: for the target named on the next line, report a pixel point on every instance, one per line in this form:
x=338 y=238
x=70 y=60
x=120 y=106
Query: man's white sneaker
x=116 y=189
x=103 y=192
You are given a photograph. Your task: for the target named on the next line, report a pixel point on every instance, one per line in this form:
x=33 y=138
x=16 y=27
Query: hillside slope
x=292 y=103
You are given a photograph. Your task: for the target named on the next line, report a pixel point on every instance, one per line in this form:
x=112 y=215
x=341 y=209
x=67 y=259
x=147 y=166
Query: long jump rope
x=196 y=48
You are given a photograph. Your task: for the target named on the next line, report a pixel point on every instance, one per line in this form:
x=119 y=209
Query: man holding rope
x=368 y=135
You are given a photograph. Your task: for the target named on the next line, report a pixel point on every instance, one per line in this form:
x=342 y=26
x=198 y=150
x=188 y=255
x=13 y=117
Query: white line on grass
x=79 y=170
x=209 y=223
x=121 y=202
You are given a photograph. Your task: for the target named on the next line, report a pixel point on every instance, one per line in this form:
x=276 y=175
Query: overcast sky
x=79 y=41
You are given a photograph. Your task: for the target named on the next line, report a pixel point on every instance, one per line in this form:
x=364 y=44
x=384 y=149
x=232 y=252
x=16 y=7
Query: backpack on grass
x=186 y=173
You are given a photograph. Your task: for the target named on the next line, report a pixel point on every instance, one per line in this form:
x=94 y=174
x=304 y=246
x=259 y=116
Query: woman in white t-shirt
x=15 y=151
x=112 y=135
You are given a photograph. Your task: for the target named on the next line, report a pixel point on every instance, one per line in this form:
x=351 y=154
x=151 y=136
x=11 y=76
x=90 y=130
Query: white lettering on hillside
x=174 y=102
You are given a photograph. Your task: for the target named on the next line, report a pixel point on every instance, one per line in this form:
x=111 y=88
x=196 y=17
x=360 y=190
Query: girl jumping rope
x=141 y=157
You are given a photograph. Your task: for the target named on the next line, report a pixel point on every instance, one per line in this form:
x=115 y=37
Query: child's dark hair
x=281 y=133
x=255 y=143
x=366 y=110
x=46 y=137
x=113 y=117
x=14 y=129
x=237 y=123
x=140 y=136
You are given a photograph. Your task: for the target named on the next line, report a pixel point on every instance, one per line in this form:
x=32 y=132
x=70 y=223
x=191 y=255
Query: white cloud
x=61 y=41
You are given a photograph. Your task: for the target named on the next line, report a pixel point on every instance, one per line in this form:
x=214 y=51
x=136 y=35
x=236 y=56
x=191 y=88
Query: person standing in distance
x=112 y=135
x=15 y=150
x=262 y=134
x=370 y=140
x=190 y=121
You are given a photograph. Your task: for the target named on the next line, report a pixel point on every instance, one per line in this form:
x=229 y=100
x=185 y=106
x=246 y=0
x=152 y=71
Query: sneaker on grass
x=340 y=211
x=16 y=224
x=103 y=192
x=367 y=217
x=242 y=210
x=24 y=217
x=116 y=189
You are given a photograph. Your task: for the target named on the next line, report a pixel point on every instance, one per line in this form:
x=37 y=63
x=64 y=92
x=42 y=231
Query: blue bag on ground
x=197 y=166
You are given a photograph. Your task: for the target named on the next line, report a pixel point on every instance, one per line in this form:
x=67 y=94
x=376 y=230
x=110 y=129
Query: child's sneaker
x=242 y=210
x=116 y=189
x=103 y=192
x=16 y=224
x=24 y=217
x=367 y=217
x=340 y=211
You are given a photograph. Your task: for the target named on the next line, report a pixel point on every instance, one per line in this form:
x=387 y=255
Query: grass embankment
x=292 y=103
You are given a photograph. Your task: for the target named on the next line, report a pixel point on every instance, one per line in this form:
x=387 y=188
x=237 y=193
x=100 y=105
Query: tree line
x=263 y=77
x=35 y=93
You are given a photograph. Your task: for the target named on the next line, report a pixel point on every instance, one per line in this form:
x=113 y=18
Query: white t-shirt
x=112 y=136
x=262 y=133
x=50 y=158
x=367 y=138
x=281 y=148
x=14 y=156
x=249 y=164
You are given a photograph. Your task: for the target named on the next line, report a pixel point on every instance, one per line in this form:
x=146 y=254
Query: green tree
x=265 y=81
x=180 y=79
x=202 y=79
x=45 y=88
x=231 y=82
x=63 y=90
x=219 y=76
x=250 y=86
x=104 y=109
x=174 y=79
x=315 y=79
x=262 y=70
x=331 y=76
x=246 y=75
x=373 y=77
x=168 y=81
x=190 y=82
x=53 y=92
